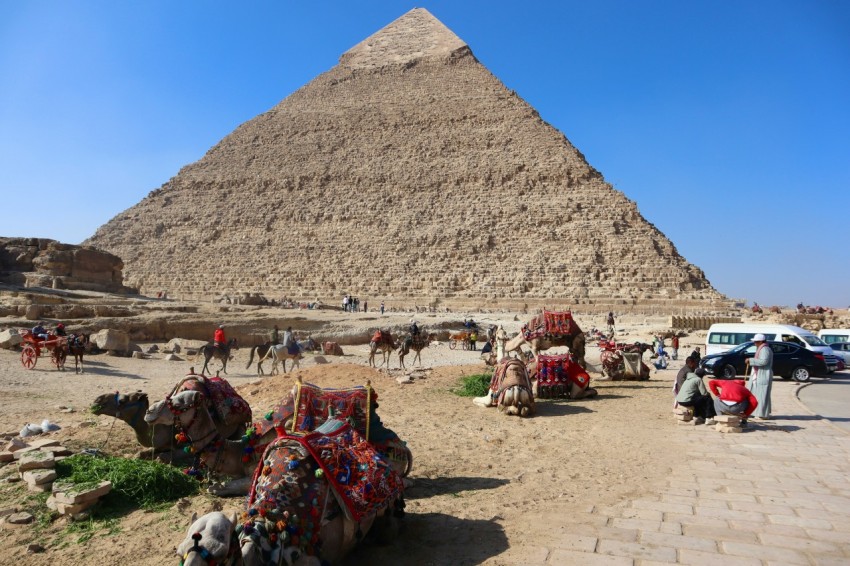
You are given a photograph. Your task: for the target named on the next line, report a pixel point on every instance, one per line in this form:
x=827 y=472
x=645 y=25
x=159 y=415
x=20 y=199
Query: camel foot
x=485 y=401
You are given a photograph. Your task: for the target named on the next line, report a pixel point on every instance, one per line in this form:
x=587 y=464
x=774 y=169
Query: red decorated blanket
x=226 y=405
x=550 y=323
x=556 y=374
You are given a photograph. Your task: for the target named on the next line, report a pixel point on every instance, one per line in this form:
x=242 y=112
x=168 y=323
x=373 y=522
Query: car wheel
x=801 y=374
x=729 y=372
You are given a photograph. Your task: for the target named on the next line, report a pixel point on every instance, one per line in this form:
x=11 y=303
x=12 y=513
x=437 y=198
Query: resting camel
x=417 y=346
x=382 y=340
x=279 y=354
x=221 y=353
x=510 y=389
x=295 y=513
x=225 y=457
x=574 y=342
x=578 y=379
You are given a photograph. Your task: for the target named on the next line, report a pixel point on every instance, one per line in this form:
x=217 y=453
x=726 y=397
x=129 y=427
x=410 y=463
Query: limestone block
x=10 y=338
x=720 y=427
x=38 y=477
x=22 y=518
x=70 y=494
x=111 y=339
x=177 y=345
x=730 y=420
x=15 y=444
x=36 y=460
x=6 y=457
x=68 y=508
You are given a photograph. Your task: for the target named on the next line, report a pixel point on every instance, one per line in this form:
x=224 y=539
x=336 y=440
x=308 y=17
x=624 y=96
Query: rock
x=152 y=349
x=111 y=340
x=69 y=508
x=177 y=345
x=15 y=444
x=36 y=460
x=140 y=356
x=39 y=477
x=173 y=358
x=720 y=427
x=403 y=380
x=10 y=338
x=43 y=443
x=728 y=419
x=8 y=511
x=21 y=518
x=69 y=410
x=34 y=548
x=70 y=494
x=6 y=457
x=320 y=360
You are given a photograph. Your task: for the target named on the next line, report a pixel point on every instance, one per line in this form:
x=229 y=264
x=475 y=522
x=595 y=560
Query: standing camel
x=382 y=340
x=221 y=353
x=415 y=343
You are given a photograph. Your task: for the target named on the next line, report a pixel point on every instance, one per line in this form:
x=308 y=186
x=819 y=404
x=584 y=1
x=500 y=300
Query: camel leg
x=284 y=366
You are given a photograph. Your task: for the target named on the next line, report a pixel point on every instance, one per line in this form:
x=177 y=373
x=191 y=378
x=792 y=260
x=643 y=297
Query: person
x=275 y=338
x=761 y=380
x=382 y=307
x=659 y=346
x=218 y=338
x=696 y=354
x=661 y=360
x=414 y=328
x=345 y=303
x=60 y=330
x=365 y=306
x=689 y=367
x=473 y=340
x=611 y=323
x=289 y=341
x=675 y=346
x=732 y=398
x=694 y=394
x=39 y=331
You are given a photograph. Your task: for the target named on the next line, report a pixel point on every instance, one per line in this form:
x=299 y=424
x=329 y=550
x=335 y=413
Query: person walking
x=761 y=380
x=675 y=346
x=611 y=324
x=382 y=307
x=365 y=306
x=275 y=337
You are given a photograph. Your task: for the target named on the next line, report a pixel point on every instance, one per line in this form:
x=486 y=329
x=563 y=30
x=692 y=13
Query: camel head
x=113 y=404
x=181 y=406
x=208 y=540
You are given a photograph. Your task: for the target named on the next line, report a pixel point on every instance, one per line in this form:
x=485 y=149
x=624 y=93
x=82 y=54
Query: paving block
x=35 y=460
x=70 y=494
x=720 y=427
x=69 y=509
x=728 y=419
x=39 y=477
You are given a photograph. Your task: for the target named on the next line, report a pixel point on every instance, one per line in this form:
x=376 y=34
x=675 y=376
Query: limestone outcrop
x=41 y=262
x=407 y=172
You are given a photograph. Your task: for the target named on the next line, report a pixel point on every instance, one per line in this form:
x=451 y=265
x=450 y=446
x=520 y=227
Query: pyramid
x=407 y=172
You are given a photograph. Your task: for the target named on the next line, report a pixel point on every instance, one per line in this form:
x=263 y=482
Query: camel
x=296 y=513
x=225 y=457
x=221 y=353
x=576 y=344
x=382 y=340
x=576 y=377
x=279 y=354
x=261 y=351
x=417 y=345
x=510 y=389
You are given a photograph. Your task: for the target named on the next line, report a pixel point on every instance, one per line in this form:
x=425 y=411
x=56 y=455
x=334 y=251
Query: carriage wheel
x=29 y=356
x=452 y=344
x=59 y=357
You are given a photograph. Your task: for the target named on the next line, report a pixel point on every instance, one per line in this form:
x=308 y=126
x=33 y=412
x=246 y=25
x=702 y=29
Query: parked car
x=789 y=361
x=842 y=350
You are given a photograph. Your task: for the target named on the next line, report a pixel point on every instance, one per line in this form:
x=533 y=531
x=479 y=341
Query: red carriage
x=33 y=346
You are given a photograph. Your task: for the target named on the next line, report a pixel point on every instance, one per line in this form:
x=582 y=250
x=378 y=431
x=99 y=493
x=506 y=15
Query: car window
x=780 y=348
x=813 y=340
x=751 y=349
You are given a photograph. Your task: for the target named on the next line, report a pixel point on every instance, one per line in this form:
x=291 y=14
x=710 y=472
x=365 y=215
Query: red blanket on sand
x=552 y=324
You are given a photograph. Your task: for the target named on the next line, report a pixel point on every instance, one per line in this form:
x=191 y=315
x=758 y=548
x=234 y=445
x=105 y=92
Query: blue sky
x=727 y=122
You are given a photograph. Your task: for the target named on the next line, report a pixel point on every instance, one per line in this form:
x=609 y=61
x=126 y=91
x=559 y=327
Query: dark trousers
x=703 y=406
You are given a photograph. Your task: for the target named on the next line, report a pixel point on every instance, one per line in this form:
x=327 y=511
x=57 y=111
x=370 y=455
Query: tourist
x=382 y=307
x=219 y=340
x=275 y=338
x=761 y=380
x=611 y=324
x=661 y=361
x=675 y=346
x=39 y=331
x=732 y=398
x=365 y=306
x=345 y=303
x=659 y=346
x=414 y=328
x=694 y=394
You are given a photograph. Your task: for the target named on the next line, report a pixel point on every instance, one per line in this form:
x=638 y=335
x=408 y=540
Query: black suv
x=789 y=361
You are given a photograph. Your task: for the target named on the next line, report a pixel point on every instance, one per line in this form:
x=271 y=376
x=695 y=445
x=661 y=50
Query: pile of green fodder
x=142 y=484
x=476 y=385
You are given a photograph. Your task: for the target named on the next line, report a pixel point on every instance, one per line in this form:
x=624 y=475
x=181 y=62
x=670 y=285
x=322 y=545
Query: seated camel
x=239 y=459
x=132 y=408
x=510 y=389
x=559 y=376
x=315 y=497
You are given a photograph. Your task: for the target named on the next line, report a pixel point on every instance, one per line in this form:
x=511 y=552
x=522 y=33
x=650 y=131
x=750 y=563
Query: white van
x=725 y=336
x=833 y=335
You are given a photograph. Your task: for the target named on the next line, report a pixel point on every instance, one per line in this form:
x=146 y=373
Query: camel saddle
x=556 y=374
x=551 y=323
x=382 y=337
x=226 y=405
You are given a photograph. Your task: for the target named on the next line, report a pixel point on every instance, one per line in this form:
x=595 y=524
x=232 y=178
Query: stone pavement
x=778 y=493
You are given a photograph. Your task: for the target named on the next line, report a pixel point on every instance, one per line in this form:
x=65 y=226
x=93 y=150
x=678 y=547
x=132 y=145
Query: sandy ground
x=477 y=473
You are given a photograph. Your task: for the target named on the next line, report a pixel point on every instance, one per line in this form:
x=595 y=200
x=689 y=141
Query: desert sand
x=480 y=478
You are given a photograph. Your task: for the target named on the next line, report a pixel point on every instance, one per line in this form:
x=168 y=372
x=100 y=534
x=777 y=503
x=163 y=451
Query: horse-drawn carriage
x=33 y=345
x=461 y=338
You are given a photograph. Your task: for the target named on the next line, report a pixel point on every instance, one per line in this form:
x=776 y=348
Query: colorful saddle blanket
x=226 y=405
x=550 y=323
x=382 y=337
x=556 y=374
x=362 y=479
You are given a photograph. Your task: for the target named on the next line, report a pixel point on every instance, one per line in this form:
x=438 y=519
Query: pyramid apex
x=415 y=35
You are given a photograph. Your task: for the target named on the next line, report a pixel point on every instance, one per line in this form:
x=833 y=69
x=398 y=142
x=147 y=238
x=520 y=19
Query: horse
x=261 y=350
x=221 y=353
x=383 y=341
x=281 y=353
x=77 y=346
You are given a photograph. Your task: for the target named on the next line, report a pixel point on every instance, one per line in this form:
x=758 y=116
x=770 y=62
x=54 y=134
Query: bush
x=475 y=385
